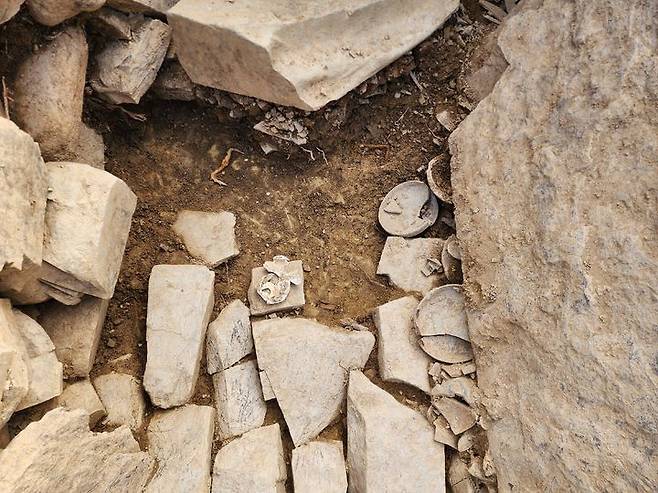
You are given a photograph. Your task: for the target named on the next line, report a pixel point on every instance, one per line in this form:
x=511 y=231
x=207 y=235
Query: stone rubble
x=123 y=398
x=408 y=209
x=173 y=83
x=451 y=260
x=53 y=12
x=112 y=23
x=319 y=466
x=208 y=236
x=229 y=337
x=412 y=265
x=443 y=434
x=23 y=287
x=293 y=299
x=82 y=395
x=459 y=416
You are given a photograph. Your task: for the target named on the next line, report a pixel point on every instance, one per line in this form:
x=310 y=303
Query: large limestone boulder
x=59 y=453
x=301 y=54
x=554 y=178
x=52 y=12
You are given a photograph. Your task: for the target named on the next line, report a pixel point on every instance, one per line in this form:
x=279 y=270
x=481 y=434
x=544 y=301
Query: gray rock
x=181 y=442
x=343 y=44
x=142 y=6
x=90 y=148
x=254 y=462
x=307 y=364
x=208 y=236
x=112 y=23
x=180 y=302
x=82 y=395
x=400 y=357
x=8 y=9
x=239 y=400
x=459 y=416
x=463 y=387
x=407 y=263
x=408 y=209
x=14 y=369
x=173 y=83
x=123 y=399
x=389 y=446
x=442 y=312
x=447 y=349
x=52 y=12
x=294 y=300
x=229 y=337
x=319 y=466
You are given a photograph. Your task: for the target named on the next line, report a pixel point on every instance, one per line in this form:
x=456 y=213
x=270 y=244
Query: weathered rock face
x=142 y=6
x=59 y=453
x=82 y=395
x=14 y=369
x=8 y=9
x=554 y=178
x=52 y=12
x=208 y=236
x=123 y=399
x=319 y=466
x=301 y=54
x=229 y=337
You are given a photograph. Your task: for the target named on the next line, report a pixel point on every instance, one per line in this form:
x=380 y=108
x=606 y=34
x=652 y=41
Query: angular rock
x=389 y=446
x=125 y=69
x=52 y=12
x=307 y=364
x=180 y=302
x=451 y=260
x=463 y=387
x=253 y=462
x=90 y=148
x=208 y=236
x=181 y=441
x=239 y=400
x=268 y=392
x=23 y=287
x=447 y=349
x=82 y=395
x=173 y=83
x=23 y=189
x=48 y=94
x=111 y=23
x=411 y=265
x=59 y=453
x=343 y=44
x=574 y=246
x=294 y=300
x=408 y=209
x=142 y=6
x=229 y=337
x=459 y=416
x=458 y=477
x=443 y=434
x=442 y=312
x=14 y=366
x=75 y=332
x=400 y=357
x=123 y=399
x=319 y=466
x=8 y=9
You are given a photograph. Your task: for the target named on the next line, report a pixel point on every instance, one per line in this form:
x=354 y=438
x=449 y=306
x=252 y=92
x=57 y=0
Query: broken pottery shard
x=123 y=399
x=87 y=223
x=307 y=364
x=458 y=477
x=254 y=462
x=459 y=416
x=408 y=209
x=322 y=50
x=239 y=399
x=405 y=262
x=23 y=189
x=442 y=312
x=443 y=434
x=438 y=178
x=8 y=9
x=447 y=349
x=142 y=6
x=451 y=260
x=268 y=393
x=268 y=283
x=14 y=374
x=173 y=83
x=125 y=69
x=400 y=358
x=389 y=446
x=48 y=93
x=181 y=442
x=75 y=332
x=52 y=12
x=208 y=236
x=82 y=395
x=319 y=466
x=229 y=337
x=180 y=302
x=463 y=387
x=59 y=453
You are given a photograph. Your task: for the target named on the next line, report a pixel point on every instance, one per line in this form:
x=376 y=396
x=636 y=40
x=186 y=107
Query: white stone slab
x=319 y=466
x=208 y=236
x=82 y=395
x=229 y=337
x=405 y=263
x=123 y=398
x=16 y=378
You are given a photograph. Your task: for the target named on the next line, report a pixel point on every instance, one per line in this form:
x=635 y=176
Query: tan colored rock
x=411 y=264
x=14 y=366
x=563 y=321
x=268 y=392
x=459 y=416
x=443 y=434
x=23 y=188
x=173 y=83
x=113 y=24
x=142 y=6
x=322 y=49
x=90 y=148
x=319 y=466
x=208 y=236
x=8 y=9
x=59 y=453
x=52 y=12
x=229 y=337
x=82 y=395
x=123 y=399
x=463 y=387
x=23 y=287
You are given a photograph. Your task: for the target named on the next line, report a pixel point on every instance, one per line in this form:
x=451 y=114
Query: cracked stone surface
x=229 y=337
x=405 y=262
x=208 y=236
x=319 y=466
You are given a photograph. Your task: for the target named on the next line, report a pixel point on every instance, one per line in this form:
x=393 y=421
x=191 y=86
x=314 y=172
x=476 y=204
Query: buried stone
x=208 y=236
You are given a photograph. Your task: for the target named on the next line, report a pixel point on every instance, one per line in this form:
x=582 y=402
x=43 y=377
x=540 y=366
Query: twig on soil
x=309 y=152
x=324 y=156
x=494 y=10
x=223 y=165
x=5 y=99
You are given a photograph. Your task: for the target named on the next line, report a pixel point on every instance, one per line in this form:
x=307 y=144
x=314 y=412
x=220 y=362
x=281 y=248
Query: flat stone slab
x=254 y=462
x=442 y=312
x=319 y=466
x=181 y=442
x=408 y=209
x=268 y=392
x=390 y=447
x=239 y=399
x=229 y=337
x=307 y=365
x=75 y=332
x=412 y=265
x=82 y=395
x=400 y=357
x=123 y=398
x=344 y=43
x=208 y=236
x=14 y=377
x=447 y=349
x=295 y=298
x=459 y=416
x=180 y=302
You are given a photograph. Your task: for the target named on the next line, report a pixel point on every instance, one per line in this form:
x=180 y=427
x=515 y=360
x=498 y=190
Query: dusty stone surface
x=125 y=69
x=400 y=357
x=112 y=23
x=447 y=349
x=344 y=43
x=48 y=93
x=14 y=369
x=307 y=364
x=142 y=6
x=23 y=188
x=239 y=399
x=75 y=332
x=208 y=236
x=87 y=223
x=82 y=395
x=8 y=9
x=442 y=312
x=52 y=12
x=123 y=399
x=253 y=462
x=229 y=337
x=407 y=263
x=173 y=83
x=566 y=206
x=90 y=148
x=22 y=287
x=390 y=447
x=458 y=415
x=180 y=302
x=295 y=299
x=268 y=392
x=408 y=209
x=59 y=453
x=181 y=441
x=443 y=434
x=319 y=466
